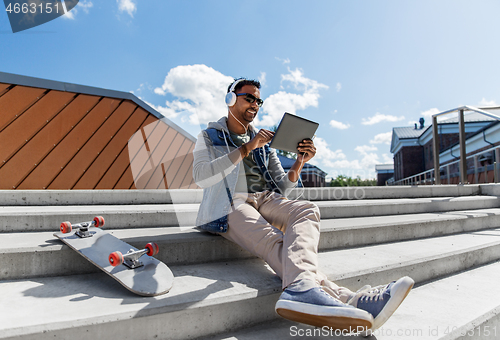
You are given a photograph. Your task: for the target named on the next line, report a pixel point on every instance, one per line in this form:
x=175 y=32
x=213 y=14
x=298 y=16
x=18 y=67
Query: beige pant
x=285 y=234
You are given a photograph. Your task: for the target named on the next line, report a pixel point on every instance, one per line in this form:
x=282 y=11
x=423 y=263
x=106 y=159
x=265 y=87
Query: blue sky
x=359 y=68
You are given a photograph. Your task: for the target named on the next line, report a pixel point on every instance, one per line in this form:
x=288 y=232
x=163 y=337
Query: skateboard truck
x=131 y=259
x=83 y=227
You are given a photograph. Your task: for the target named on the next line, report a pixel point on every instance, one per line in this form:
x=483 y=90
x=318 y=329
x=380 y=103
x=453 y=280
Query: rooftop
x=382 y=167
x=471 y=117
x=407 y=132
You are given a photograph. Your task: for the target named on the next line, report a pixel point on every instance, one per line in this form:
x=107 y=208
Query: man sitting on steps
x=244 y=200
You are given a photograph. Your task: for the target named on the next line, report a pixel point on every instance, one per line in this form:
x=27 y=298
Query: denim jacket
x=217 y=175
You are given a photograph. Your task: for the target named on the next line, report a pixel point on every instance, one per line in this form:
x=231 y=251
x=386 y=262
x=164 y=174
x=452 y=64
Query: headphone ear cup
x=230 y=98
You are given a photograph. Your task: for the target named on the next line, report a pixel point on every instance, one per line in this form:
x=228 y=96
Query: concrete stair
x=444 y=237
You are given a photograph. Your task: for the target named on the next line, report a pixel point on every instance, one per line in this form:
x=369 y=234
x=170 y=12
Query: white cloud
x=382 y=138
x=339 y=125
x=200 y=91
x=387 y=158
x=83 y=5
x=283 y=61
x=325 y=157
x=380 y=118
x=262 y=78
x=485 y=102
x=429 y=113
x=367 y=161
x=369 y=157
x=345 y=164
x=363 y=149
x=339 y=87
x=175 y=108
x=276 y=104
x=128 y=6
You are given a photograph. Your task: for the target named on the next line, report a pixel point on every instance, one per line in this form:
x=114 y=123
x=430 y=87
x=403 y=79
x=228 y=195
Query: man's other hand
x=306 y=149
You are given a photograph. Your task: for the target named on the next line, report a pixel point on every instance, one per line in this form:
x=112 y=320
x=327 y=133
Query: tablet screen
x=292 y=130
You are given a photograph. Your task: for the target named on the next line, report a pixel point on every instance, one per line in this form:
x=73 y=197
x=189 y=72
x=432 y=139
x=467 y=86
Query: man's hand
x=262 y=138
x=306 y=149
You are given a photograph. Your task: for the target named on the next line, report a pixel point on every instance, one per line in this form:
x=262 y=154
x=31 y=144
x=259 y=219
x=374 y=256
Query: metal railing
x=429 y=175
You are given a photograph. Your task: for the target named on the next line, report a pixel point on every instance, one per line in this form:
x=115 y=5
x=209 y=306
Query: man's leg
x=285 y=234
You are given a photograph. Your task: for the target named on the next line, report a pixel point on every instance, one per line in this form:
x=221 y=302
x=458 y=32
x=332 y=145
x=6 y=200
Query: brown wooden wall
x=53 y=139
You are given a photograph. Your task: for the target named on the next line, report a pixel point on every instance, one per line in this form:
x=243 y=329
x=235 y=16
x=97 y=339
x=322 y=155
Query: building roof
x=62 y=136
x=384 y=167
x=16 y=79
x=408 y=132
x=287 y=163
x=470 y=117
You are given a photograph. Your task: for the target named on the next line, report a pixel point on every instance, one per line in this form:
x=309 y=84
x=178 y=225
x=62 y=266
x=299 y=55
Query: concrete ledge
x=98 y=197
x=356 y=232
x=28 y=255
x=360 y=193
x=380 y=207
x=48 y=218
x=189 y=196
x=490 y=189
x=220 y=296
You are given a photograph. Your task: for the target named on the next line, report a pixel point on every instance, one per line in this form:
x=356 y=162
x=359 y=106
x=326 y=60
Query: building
x=56 y=135
x=311 y=175
x=413 y=146
x=384 y=173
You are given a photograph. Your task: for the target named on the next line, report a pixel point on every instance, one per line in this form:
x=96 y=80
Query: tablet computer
x=292 y=130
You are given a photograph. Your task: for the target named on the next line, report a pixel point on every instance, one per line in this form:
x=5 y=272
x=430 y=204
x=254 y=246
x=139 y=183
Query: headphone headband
x=236 y=83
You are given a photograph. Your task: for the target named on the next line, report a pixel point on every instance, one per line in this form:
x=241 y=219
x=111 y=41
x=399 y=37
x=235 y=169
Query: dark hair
x=243 y=83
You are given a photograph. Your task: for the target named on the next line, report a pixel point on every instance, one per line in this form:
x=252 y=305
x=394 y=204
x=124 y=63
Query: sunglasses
x=251 y=98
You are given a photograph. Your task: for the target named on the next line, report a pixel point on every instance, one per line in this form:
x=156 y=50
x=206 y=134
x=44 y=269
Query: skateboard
x=142 y=275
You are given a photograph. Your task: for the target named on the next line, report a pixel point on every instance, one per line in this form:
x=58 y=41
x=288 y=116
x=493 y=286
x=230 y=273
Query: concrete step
x=45 y=218
x=381 y=207
x=440 y=309
x=182 y=196
x=99 y=197
x=32 y=254
x=217 y=297
x=48 y=218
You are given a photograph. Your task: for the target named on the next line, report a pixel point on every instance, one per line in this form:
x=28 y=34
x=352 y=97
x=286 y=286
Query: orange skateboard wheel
x=115 y=258
x=98 y=221
x=65 y=227
x=152 y=248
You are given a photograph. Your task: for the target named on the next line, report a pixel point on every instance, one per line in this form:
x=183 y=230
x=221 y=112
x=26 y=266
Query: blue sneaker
x=382 y=301
x=318 y=308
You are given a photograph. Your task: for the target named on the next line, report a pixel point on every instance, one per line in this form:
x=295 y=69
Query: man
x=244 y=200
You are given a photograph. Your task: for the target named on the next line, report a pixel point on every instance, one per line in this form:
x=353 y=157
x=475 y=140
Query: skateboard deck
x=151 y=277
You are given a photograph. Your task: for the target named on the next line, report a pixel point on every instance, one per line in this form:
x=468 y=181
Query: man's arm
x=210 y=166
x=208 y=169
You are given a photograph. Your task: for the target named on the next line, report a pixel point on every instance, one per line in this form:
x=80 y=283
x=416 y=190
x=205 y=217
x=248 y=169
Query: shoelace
x=324 y=291
x=370 y=293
